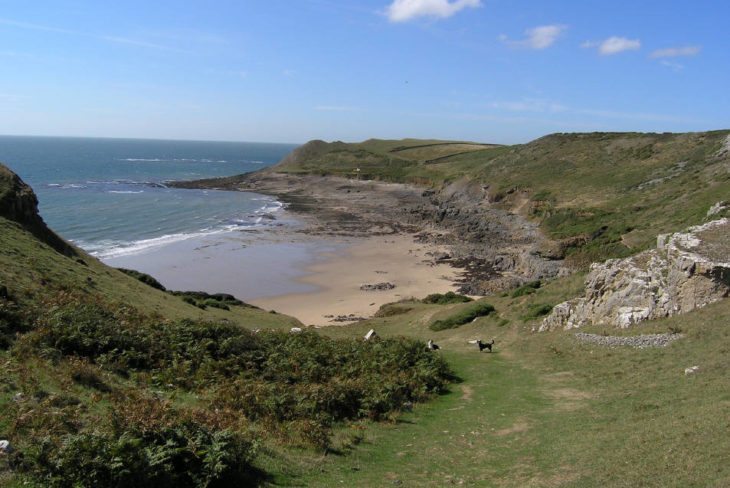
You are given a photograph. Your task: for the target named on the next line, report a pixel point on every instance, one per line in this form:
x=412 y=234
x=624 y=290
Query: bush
x=446 y=298
x=463 y=316
x=11 y=323
x=391 y=310
x=202 y=299
x=277 y=378
x=537 y=310
x=184 y=455
x=526 y=289
x=144 y=278
x=86 y=375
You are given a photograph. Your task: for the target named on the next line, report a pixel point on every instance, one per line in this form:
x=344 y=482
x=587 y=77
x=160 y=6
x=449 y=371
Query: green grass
x=545 y=410
x=462 y=315
x=31 y=268
x=541 y=410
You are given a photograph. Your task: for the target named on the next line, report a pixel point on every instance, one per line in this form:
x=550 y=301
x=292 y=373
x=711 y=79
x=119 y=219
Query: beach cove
x=284 y=268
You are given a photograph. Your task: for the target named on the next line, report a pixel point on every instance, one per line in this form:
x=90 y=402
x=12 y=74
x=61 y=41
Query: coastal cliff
x=19 y=204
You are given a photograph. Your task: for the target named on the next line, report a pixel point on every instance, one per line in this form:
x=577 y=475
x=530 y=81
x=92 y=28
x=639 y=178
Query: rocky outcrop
x=686 y=271
x=19 y=204
x=377 y=287
x=498 y=248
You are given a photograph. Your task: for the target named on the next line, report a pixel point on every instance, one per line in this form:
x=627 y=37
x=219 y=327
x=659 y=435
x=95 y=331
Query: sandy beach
x=313 y=277
x=338 y=276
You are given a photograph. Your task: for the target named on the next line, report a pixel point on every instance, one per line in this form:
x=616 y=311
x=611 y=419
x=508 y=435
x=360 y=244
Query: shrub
x=537 y=310
x=216 y=304
x=272 y=377
x=391 y=310
x=11 y=323
x=218 y=300
x=184 y=455
x=144 y=278
x=446 y=298
x=526 y=289
x=86 y=375
x=463 y=316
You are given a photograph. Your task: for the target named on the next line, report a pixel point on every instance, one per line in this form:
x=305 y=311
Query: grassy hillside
x=109 y=380
x=544 y=410
x=603 y=194
x=31 y=269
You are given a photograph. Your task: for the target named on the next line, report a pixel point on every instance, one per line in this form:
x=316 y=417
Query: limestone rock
x=5 y=447
x=686 y=271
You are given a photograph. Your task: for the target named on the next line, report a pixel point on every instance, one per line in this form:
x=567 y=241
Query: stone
x=377 y=287
x=688 y=270
x=5 y=447
x=295 y=330
x=691 y=370
x=717 y=208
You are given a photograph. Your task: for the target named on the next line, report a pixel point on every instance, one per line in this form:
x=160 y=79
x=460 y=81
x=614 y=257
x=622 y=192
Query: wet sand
x=338 y=275
x=314 y=278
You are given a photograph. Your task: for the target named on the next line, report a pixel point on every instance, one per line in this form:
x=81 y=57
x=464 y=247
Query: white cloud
x=529 y=105
x=541 y=37
x=405 y=10
x=675 y=52
x=676 y=67
x=615 y=45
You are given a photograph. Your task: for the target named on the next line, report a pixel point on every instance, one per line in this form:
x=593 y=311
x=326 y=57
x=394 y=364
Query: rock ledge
x=686 y=271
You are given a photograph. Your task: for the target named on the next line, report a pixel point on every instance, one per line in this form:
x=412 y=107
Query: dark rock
x=19 y=204
x=377 y=287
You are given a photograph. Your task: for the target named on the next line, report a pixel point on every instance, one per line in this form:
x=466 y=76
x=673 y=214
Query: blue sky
x=502 y=71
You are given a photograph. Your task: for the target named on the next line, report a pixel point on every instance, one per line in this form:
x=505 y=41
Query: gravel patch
x=640 y=341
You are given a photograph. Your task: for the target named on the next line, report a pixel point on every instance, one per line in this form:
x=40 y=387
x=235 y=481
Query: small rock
x=691 y=370
x=5 y=447
x=295 y=330
x=377 y=287
x=717 y=208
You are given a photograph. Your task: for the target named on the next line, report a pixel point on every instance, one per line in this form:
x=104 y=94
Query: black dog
x=485 y=345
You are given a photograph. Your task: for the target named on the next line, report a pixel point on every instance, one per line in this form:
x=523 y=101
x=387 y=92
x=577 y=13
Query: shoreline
x=339 y=300
x=298 y=270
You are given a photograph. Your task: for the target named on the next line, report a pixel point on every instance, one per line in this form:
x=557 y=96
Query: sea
x=111 y=198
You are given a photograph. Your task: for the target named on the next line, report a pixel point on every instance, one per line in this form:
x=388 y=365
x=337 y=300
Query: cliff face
x=686 y=271
x=19 y=204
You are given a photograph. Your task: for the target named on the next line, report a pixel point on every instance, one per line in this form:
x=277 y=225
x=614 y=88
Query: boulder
x=686 y=271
